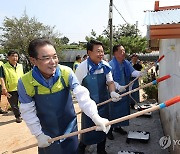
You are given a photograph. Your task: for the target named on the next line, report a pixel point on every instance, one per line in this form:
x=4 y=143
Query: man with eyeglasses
x=95 y=74
x=46 y=101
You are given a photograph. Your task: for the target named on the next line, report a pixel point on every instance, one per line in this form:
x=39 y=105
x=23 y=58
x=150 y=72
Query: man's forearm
x=3 y=83
x=111 y=86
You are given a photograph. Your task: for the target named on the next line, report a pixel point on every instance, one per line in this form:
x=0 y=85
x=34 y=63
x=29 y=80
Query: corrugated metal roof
x=162 y=17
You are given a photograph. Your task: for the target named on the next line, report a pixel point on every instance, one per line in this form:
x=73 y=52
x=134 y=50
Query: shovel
x=131 y=116
x=154 y=64
x=134 y=90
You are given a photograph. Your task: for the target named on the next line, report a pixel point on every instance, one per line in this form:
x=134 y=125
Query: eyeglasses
x=48 y=59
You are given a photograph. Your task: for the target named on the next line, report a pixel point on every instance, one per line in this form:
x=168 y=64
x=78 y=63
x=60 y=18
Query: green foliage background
x=17 y=34
x=151 y=91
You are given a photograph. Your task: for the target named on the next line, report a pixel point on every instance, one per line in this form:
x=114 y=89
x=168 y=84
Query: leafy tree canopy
x=64 y=40
x=17 y=33
x=127 y=35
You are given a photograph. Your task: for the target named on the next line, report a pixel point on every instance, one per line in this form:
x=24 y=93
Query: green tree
x=122 y=30
x=17 y=33
x=2 y=51
x=102 y=38
x=64 y=40
x=133 y=44
x=126 y=35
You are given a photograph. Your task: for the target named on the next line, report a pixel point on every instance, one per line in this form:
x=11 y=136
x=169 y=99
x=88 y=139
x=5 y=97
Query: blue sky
x=76 y=18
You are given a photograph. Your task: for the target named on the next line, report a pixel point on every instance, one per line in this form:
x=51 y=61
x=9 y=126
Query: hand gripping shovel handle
x=141 y=87
x=131 y=116
x=134 y=90
x=154 y=108
x=159 y=80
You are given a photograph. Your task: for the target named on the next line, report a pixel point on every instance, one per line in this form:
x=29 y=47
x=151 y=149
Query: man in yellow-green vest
x=10 y=74
x=1 y=111
x=46 y=101
x=77 y=62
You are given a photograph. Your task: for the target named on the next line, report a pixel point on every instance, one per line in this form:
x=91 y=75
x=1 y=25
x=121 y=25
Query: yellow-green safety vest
x=12 y=76
x=29 y=82
x=75 y=63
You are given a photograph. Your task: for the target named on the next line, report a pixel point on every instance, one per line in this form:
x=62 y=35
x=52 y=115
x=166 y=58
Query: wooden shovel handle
x=145 y=70
x=131 y=116
x=90 y=128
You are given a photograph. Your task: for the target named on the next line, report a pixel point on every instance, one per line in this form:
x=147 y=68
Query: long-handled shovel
x=134 y=90
x=154 y=64
x=131 y=116
x=109 y=100
x=135 y=102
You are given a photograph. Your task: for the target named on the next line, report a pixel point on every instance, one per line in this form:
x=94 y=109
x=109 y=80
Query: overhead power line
x=120 y=14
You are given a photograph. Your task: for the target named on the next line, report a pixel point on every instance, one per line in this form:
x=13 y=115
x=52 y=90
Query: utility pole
x=136 y=28
x=110 y=26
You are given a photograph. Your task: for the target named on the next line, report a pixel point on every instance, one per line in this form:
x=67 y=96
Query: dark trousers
x=100 y=146
x=0 y=95
x=13 y=101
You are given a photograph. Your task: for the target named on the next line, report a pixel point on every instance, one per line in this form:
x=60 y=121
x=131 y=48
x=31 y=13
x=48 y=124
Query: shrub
x=151 y=91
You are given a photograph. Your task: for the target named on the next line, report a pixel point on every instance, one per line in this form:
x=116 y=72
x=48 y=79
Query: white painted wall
x=170 y=116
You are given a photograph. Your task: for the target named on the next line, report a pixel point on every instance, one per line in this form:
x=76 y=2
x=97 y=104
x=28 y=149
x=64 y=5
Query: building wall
x=70 y=55
x=170 y=117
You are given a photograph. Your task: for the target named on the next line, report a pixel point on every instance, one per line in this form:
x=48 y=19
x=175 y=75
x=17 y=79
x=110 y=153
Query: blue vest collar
x=117 y=75
x=98 y=66
x=39 y=78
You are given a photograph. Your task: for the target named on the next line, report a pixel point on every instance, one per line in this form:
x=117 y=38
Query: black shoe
x=120 y=131
x=19 y=120
x=81 y=148
x=101 y=152
x=110 y=135
x=3 y=112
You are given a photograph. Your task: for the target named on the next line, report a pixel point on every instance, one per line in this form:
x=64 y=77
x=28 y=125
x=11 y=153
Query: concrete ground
x=151 y=124
x=148 y=124
x=13 y=136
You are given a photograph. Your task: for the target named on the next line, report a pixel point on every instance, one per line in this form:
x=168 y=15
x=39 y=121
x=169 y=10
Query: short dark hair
x=85 y=56
x=12 y=52
x=78 y=57
x=133 y=55
x=35 y=44
x=115 y=48
x=91 y=44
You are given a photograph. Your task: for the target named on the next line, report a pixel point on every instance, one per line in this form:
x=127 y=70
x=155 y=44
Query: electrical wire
x=120 y=14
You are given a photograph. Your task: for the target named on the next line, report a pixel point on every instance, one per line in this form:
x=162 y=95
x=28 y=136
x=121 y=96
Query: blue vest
x=96 y=84
x=57 y=117
x=121 y=108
